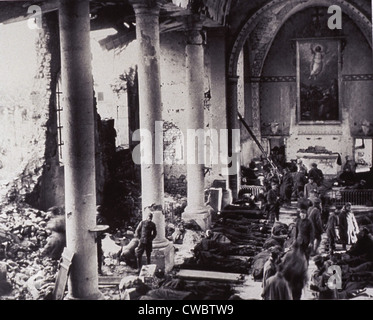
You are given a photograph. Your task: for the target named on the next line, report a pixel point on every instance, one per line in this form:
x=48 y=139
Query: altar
x=326 y=162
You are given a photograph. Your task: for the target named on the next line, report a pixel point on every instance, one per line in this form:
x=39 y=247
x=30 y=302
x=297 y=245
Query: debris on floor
x=226 y=265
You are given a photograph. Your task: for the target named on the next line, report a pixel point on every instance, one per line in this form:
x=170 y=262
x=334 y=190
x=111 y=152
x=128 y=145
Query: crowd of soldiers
x=281 y=186
x=314 y=218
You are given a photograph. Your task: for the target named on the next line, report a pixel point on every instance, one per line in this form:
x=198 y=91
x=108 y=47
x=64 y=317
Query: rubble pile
x=30 y=273
x=121 y=206
x=175 y=185
x=174 y=206
x=23 y=187
x=23 y=235
x=183 y=251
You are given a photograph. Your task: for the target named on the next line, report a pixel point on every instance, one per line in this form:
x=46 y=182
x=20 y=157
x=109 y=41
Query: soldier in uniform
x=146 y=231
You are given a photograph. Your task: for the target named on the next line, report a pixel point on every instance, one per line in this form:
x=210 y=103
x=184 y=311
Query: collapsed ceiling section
x=114 y=13
x=119 y=15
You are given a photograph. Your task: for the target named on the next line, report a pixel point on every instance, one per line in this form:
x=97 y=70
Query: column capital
x=148 y=7
x=193 y=22
x=193 y=29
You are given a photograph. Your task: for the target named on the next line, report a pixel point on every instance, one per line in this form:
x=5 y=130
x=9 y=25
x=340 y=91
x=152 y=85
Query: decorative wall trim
x=357 y=77
x=273 y=79
x=345 y=77
x=309 y=131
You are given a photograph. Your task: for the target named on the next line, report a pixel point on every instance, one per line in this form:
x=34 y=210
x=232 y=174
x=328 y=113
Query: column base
x=96 y=296
x=234 y=188
x=163 y=256
x=201 y=215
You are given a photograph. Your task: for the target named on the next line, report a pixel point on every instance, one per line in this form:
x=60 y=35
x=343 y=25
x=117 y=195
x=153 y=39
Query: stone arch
x=269 y=18
x=268 y=21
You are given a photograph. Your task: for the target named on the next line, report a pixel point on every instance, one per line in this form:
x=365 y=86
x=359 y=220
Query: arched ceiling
x=235 y=13
x=262 y=19
x=264 y=23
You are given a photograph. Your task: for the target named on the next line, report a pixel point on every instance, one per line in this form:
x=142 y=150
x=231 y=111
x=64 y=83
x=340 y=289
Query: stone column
x=234 y=172
x=196 y=209
x=152 y=175
x=80 y=191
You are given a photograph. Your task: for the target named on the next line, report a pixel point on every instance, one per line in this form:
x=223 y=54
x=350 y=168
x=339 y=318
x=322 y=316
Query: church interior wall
x=175 y=105
x=278 y=94
x=174 y=90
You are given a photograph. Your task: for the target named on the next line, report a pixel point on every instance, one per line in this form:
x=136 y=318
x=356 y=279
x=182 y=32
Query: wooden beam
x=171 y=25
x=210 y=275
x=109 y=280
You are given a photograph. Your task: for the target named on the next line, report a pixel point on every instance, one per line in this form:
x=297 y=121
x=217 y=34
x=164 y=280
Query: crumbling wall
x=41 y=182
x=174 y=152
x=51 y=184
x=121 y=201
x=30 y=128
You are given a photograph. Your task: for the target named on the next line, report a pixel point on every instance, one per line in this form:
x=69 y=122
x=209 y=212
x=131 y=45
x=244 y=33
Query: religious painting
x=318 y=80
